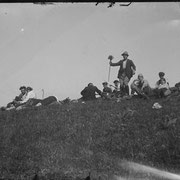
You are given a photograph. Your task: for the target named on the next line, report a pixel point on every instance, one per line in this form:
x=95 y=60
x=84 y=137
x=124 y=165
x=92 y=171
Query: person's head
x=116 y=83
x=161 y=75
x=140 y=77
x=22 y=89
x=105 y=84
x=125 y=55
x=177 y=85
x=90 y=84
x=29 y=89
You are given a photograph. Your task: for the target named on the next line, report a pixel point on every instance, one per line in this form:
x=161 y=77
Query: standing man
x=126 y=71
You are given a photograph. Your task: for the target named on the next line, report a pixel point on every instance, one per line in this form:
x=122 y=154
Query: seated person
x=17 y=99
x=161 y=76
x=29 y=95
x=89 y=92
x=116 y=91
x=162 y=88
x=141 y=87
x=175 y=91
x=107 y=91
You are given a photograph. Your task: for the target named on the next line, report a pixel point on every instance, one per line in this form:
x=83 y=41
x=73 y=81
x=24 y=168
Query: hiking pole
x=110 y=59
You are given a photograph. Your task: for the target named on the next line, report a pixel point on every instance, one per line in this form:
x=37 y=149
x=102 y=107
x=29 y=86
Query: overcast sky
x=62 y=47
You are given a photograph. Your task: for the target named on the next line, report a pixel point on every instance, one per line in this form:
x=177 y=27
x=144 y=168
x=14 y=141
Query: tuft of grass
x=68 y=141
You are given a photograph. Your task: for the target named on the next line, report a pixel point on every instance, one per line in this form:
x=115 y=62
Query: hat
x=22 y=87
x=125 y=53
x=29 y=88
x=116 y=81
x=105 y=83
x=161 y=74
x=90 y=84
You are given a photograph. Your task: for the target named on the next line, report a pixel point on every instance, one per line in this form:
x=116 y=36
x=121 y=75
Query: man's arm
x=98 y=91
x=83 y=91
x=115 y=64
x=133 y=65
x=145 y=84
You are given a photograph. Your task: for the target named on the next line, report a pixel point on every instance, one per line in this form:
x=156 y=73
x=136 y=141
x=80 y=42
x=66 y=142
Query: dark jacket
x=107 y=90
x=128 y=70
x=89 y=93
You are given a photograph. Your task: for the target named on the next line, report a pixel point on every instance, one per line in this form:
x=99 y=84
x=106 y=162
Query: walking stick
x=110 y=58
x=109 y=73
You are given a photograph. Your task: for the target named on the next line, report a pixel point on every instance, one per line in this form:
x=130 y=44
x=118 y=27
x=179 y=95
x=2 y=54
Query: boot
x=122 y=90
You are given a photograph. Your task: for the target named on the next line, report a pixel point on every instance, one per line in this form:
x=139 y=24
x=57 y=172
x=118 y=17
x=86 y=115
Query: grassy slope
x=74 y=139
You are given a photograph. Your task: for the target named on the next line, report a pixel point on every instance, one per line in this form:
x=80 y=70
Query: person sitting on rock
x=141 y=87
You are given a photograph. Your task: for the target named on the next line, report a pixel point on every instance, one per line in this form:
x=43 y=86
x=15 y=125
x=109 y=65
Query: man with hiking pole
x=126 y=71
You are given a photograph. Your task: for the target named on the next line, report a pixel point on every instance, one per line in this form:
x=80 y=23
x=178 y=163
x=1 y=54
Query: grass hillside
x=68 y=141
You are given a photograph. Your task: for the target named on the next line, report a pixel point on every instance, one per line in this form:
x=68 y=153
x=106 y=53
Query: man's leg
x=134 y=88
x=147 y=90
x=121 y=81
x=126 y=81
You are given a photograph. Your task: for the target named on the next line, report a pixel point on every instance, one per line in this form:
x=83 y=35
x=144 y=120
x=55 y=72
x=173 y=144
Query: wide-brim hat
x=125 y=53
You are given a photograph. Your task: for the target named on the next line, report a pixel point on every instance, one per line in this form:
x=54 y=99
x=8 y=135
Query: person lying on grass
x=32 y=102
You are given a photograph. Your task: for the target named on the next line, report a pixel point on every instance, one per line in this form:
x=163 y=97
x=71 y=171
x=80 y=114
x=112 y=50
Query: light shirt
x=145 y=83
x=165 y=85
x=124 y=64
x=29 y=95
x=24 y=96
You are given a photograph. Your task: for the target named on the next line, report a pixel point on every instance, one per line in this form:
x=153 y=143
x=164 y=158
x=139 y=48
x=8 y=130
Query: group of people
x=139 y=86
x=28 y=98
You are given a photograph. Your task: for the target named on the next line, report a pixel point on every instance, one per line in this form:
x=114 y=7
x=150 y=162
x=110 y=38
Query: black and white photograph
x=90 y=90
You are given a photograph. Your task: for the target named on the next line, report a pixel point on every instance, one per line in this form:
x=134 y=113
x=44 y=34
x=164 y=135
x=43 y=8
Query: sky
x=64 y=46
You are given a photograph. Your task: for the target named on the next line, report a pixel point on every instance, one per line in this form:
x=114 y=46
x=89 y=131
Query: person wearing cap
x=116 y=91
x=126 y=71
x=162 y=88
x=89 y=92
x=141 y=87
x=161 y=78
x=107 y=91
